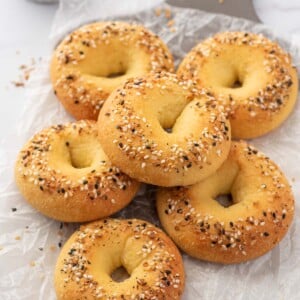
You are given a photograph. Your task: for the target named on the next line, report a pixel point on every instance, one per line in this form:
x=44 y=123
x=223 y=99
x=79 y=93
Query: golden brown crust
x=92 y=253
x=269 y=81
x=132 y=124
x=94 y=59
x=260 y=217
x=52 y=177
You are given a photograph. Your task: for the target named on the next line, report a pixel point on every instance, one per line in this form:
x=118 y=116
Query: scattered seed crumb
x=60 y=244
x=13 y=209
x=41 y=248
x=168 y=13
x=53 y=248
x=293 y=179
x=158 y=12
x=221 y=1
x=25 y=72
x=171 y=23
x=18 y=83
x=32 y=263
x=17 y=238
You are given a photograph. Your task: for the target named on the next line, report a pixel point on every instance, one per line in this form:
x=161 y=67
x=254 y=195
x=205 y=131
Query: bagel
x=64 y=173
x=261 y=213
x=96 y=58
x=251 y=76
x=132 y=124
x=89 y=257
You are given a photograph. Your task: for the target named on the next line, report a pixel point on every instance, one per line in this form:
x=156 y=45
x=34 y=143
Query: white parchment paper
x=30 y=242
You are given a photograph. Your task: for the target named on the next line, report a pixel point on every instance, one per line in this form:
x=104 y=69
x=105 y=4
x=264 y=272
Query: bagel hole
x=225 y=200
x=168 y=130
x=120 y=274
x=116 y=74
x=80 y=156
x=236 y=84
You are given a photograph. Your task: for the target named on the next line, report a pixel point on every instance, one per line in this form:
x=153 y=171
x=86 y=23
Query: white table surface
x=24 y=31
x=25 y=28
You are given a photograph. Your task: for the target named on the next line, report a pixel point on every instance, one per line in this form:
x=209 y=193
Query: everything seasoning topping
x=36 y=164
x=156 y=259
x=276 y=64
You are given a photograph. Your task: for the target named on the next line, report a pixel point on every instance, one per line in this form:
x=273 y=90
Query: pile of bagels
x=140 y=122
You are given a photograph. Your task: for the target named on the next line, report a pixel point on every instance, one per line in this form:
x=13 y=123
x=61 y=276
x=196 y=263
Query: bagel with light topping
x=90 y=256
x=133 y=124
x=64 y=173
x=261 y=212
x=251 y=76
x=96 y=58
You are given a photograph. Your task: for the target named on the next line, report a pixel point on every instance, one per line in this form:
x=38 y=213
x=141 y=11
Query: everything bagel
x=133 y=125
x=262 y=210
x=251 y=76
x=96 y=58
x=87 y=260
x=64 y=173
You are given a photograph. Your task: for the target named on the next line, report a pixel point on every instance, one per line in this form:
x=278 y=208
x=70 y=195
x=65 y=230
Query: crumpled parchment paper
x=30 y=242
